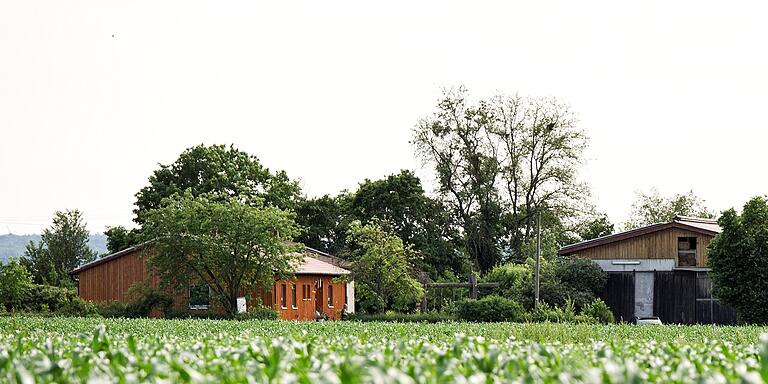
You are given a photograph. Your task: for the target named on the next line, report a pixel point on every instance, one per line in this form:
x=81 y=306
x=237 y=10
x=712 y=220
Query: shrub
x=555 y=314
x=598 y=310
x=397 y=317
x=259 y=313
x=490 y=309
x=53 y=297
x=15 y=283
x=78 y=307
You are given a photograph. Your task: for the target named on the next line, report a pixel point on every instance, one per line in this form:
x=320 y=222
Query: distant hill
x=14 y=245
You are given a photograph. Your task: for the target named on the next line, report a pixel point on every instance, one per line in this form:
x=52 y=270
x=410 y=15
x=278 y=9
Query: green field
x=74 y=350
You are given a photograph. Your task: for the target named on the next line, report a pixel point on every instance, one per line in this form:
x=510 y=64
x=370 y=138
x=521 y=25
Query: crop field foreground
x=64 y=350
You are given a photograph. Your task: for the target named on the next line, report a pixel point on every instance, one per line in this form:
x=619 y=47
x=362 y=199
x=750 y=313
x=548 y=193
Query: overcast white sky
x=672 y=94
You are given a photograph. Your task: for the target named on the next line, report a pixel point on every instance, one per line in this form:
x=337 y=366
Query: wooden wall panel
x=657 y=245
x=110 y=281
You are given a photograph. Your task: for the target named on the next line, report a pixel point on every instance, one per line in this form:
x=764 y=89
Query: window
x=293 y=296
x=686 y=251
x=199 y=296
x=282 y=296
x=330 y=296
x=305 y=292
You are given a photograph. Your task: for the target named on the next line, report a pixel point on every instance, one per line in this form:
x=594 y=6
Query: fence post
x=473 y=286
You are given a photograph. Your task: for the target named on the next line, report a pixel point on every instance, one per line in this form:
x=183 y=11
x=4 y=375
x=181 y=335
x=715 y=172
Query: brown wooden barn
x=658 y=270
x=318 y=285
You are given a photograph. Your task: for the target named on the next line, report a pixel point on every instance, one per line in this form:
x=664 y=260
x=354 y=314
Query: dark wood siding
x=619 y=294
x=685 y=297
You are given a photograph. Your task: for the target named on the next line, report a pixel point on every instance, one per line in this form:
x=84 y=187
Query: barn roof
x=693 y=224
x=310 y=265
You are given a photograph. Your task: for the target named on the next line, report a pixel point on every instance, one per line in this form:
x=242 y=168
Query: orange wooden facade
x=109 y=280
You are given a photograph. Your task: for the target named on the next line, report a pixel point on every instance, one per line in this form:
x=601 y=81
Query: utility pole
x=538 y=259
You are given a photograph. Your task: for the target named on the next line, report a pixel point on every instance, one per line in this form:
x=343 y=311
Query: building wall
x=110 y=281
x=657 y=245
x=305 y=309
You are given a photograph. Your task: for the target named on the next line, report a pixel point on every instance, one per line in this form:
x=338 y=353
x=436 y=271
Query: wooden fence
x=470 y=289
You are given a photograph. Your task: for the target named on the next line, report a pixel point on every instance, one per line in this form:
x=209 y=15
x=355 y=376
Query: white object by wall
x=241 y=307
x=351 y=297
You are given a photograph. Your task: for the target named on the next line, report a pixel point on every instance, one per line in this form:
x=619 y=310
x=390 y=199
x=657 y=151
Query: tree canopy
x=500 y=161
x=383 y=269
x=219 y=172
x=224 y=242
x=738 y=257
x=651 y=208
x=63 y=247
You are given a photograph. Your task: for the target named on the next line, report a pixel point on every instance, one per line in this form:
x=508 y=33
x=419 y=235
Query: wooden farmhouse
x=658 y=270
x=319 y=286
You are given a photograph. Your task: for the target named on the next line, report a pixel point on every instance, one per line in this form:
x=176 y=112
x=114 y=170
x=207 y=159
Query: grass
x=139 y=350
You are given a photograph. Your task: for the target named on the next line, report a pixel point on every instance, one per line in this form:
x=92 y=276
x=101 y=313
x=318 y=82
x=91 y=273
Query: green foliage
x=397 y=317
x=62 y=248
x=15 y=284
x=77 y=307
x=580 y=280
x=599 y=311
x=67 y=350
x=230 y=245
x=382 y=270
x=652 y=208
x=559 y=314
x=259 y=312
x=325 y=221
x=490 y=309
x=220 y=173
x=51 y=296
x=594 y=228
x=738 y=257
x=119 y=238
x=499 y=162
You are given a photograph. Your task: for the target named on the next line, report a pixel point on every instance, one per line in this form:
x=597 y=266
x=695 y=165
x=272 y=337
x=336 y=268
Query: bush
x=146 y=299
x=490 y=309
x=259 y=313
x=562 y=314
x=78 y=307
x=599 y=311
x=51 y=296
x=397 y=317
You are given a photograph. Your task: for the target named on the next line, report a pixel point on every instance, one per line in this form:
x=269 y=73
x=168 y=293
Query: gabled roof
x=310 y=265
x=693 y=224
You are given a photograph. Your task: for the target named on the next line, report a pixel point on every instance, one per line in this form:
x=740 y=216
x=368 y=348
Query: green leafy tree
x=120 y=238
x=424 y=223
x=230 y=245
x=62 y=248
x=219 y=172
x=382 y=269
x=15 y=284
x=593 y=228
x=738 y=257
x=498 y=163
x=651 y=208
x=325 y=221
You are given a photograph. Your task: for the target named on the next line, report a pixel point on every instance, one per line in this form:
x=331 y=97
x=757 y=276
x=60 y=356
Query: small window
x=282 y=296
x=330 y=296
x=199 y=296
x=305 y=292
x=293 y=296
x=686 y=251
